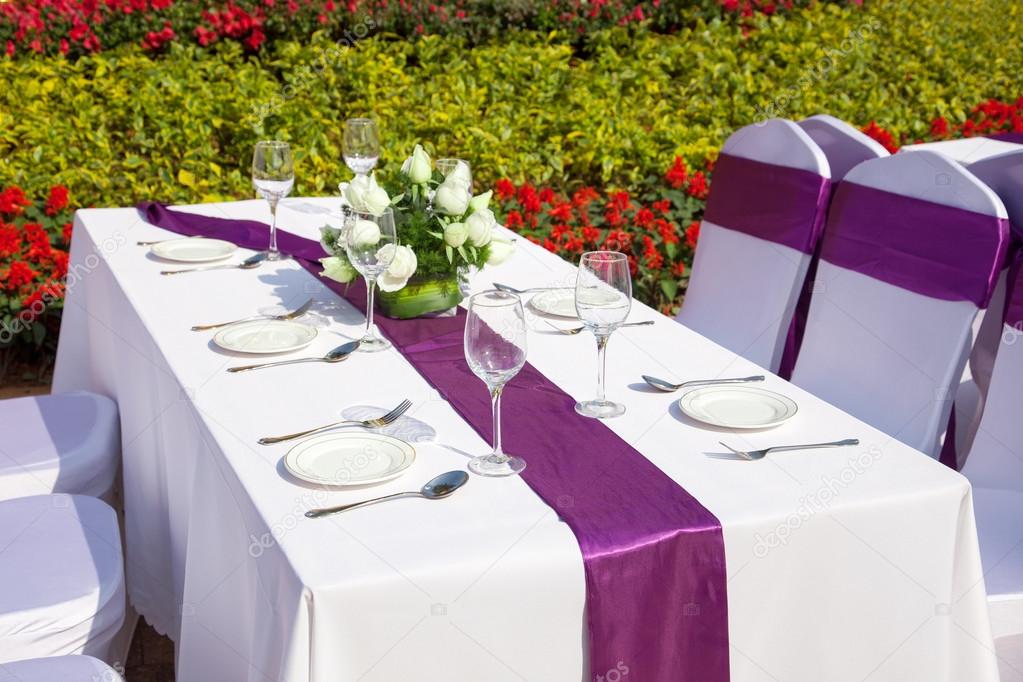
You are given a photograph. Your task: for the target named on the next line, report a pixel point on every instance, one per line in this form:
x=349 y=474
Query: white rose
x=328 y=238
x=417 y=167
x=338 y=269
x=481 y=227
x=403 y=265
x=365 y=196
x=452 y=197
x=481 y=201
x=364 y=233
x=455 y=234
x=461 y=173
x=500 y=251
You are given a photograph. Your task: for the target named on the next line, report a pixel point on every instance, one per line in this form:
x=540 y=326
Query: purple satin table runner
x=1014 y=293
x=939 y=251
x=780 y=204
x=653 y=556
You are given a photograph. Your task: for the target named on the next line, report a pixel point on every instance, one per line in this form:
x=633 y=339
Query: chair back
x=910 y=253
x=844 y=146
x=763 y=219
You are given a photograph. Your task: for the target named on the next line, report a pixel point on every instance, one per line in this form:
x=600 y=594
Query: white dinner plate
x=265 y=336
x=346 y=459
x=737 y=407
x=193 y=250
x=557 y=302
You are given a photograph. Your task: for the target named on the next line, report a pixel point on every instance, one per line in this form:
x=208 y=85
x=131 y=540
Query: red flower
x=939 y=127
x=677 y=174
x=562 y=212
x=886 y=139
x=10 y=240
x=505 y=189
x=590 y=235
x=529 y=199
x=18 y=275
x=667 y=231
x=513 y=220
x=644 y=217
x=547 y=195
x=12 y=200
x=584 y=196
x=697 y=186
x=693 y=234
x=255 y=39
x=65 y=233
x=679 y=269
x=662 y=206
x=57 y=201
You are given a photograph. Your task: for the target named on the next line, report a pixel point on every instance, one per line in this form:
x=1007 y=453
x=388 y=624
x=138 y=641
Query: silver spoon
x=668 y=387
x=297 y=312
x=760 y=454
x=247 y=264
x=337 y=355
x=435 y=489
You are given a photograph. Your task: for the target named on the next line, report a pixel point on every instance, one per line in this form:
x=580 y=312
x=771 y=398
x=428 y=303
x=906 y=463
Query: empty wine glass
x=495 y=348
x=370 y=242
x=361 y=145
x=603 y=298
x=447 y=166
x=273 y=176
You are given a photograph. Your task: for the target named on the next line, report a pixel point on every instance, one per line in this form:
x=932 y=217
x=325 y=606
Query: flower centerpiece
x=443 y=232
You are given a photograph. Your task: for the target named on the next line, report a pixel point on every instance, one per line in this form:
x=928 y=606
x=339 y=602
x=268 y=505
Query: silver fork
x=760 y=454
x=161 y=241
x=512 y=290
x=376 y=423
x=575 y=330
x=297 y=312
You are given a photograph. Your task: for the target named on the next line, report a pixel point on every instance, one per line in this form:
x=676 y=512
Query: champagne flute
x=495 y=348
x=448 y=166
x=361 y=145
x=370 y=242
x=603 y=297
x=273 y=176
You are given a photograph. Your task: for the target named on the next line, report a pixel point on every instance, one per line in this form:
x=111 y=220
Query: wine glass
x=495 y=348
x=361 y=145
x=273 y=176
x=370 y=242
x=445 y=166
x=603 y=297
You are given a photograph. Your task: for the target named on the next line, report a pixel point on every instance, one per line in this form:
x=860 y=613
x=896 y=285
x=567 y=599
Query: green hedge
x=122 y=126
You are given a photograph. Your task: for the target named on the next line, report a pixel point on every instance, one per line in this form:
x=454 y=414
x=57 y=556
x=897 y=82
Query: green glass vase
x=425 y=296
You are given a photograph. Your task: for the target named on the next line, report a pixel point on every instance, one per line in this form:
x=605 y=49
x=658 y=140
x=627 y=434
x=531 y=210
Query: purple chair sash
x=653 y=555
x=1016 y=138
x=939 y=251
x=780 y=204
x=1013 y=315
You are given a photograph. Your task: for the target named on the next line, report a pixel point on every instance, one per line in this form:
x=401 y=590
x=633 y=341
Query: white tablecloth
x=852 y=564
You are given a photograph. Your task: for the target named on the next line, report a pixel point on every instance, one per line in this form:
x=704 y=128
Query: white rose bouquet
x=442 y=231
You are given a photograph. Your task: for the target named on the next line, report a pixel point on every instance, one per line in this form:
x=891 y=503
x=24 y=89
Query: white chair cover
x=887 y=340
x=843 y=145
x=995 y=468
x=745 y=268
x=59 y=669
x=63 y=443
x=61 y=577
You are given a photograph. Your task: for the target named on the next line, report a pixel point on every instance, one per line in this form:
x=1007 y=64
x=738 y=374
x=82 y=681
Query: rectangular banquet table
x=845 y=564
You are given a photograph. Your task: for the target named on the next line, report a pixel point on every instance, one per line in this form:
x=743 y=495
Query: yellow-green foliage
x=121 y=126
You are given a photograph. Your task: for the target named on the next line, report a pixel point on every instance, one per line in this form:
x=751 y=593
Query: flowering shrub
x=34 y=236
x=657 y=228
x=987 y=118
x=76 y=27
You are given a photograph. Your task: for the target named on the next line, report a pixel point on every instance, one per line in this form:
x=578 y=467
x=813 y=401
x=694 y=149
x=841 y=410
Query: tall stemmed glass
x=603 y=297
x=370 y=242
x=495 y=348
x=361 y=145
x=273 y=176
